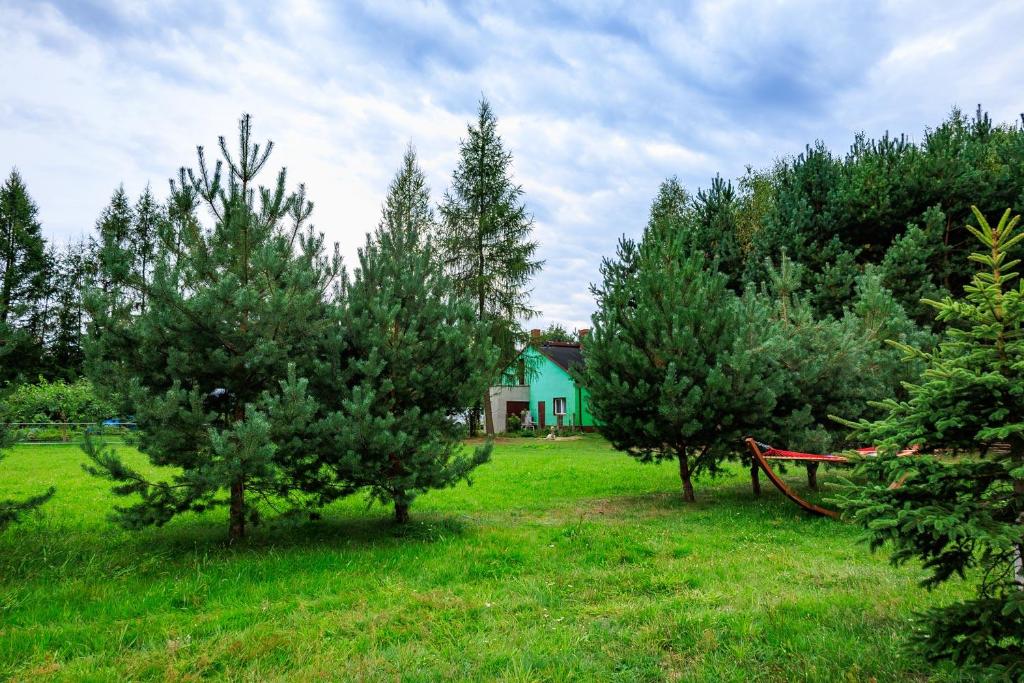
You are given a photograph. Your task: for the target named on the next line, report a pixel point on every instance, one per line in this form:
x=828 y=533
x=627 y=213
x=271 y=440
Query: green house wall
x=547 y=382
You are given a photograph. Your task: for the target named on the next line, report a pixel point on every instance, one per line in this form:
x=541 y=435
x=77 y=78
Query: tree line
x=832 y=301
x=254 y=363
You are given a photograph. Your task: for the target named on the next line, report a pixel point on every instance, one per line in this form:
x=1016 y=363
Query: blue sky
x=598 y=101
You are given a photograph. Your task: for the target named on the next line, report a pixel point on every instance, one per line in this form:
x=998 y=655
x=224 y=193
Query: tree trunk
x=488 y=414
x=401 y=511
x=1018 y=561
x=755 y=478
x=684 y=475
x=236 y=518
x=812 y=475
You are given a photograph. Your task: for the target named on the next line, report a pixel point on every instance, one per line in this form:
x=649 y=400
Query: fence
x=59 y=433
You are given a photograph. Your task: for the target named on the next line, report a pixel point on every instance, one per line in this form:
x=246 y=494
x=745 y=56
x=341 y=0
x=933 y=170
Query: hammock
x=763 y=453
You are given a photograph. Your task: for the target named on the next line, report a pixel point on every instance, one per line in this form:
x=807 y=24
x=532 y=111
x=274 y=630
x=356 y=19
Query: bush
x=55 y=402
x=513 y=423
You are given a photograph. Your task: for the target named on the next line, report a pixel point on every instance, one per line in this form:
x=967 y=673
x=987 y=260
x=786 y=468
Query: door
x=515 y=408
x=540 y=414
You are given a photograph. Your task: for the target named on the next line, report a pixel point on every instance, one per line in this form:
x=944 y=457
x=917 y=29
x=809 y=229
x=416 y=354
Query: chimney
x=583 y=334
x=535 y=334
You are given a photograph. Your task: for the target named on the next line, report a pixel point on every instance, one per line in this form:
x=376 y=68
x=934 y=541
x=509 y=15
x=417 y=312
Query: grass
x=563 y=561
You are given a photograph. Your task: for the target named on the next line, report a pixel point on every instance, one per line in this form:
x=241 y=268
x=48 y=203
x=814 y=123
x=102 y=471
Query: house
x=539 y=381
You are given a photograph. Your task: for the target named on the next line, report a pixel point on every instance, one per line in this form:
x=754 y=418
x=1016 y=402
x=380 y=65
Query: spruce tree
x=967 y=514
x=485 y=241
x=672 y=363
x=23 y=281
x=72 y=276
x=414 y=354
x=236 y=317
x=11 y=509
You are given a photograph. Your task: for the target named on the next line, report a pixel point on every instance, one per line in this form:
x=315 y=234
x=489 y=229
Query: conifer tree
x=966 y=514
x=414 y=356
x=485 y=240
x=672 y=364
x=23 y=281
x=716 y=229
x=72 y=276
x=825 y=366
x=148 y=215
x=11 y=510
x=235 y=318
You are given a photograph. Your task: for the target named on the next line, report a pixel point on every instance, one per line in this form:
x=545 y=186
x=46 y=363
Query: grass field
x=564 y=561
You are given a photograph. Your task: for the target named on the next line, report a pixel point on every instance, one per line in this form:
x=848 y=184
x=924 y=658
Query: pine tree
x=235 y=318
x=414 y=356
x=148 y=215
x=72 y=276
x=23 y=281
x=485 y=241
x=824 y=366
x=672 y=363
x=716 y=229
x=11 y=510
x=967 y=514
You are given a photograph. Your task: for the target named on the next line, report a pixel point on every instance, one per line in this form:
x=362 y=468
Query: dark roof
x=563 y=354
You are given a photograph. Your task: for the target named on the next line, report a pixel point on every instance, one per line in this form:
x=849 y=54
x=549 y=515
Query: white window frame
x=554 y=406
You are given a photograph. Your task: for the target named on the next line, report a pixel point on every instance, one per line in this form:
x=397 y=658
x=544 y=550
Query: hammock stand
x=762 y=453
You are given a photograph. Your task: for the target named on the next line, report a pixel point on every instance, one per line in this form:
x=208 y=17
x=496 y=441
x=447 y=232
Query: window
x=558 y=406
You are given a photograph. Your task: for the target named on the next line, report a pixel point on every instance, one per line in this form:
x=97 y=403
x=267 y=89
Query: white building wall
x=500 y=396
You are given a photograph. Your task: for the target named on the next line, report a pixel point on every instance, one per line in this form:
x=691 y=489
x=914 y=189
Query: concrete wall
x=500 y=396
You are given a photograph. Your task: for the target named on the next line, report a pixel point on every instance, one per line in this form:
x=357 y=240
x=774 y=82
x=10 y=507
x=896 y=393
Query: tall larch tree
x=414 y=355
x=23 y=281
x=963 y=515
x=235 y=317
x=485 y=241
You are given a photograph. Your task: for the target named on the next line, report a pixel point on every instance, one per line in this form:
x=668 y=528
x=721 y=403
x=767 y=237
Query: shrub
x=56 y=401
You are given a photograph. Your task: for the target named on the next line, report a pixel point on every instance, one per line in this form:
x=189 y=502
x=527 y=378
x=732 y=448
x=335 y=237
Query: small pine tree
x=968 y=514
x=11 y=510
x=236 y=316
x=485 y=241
x=414 y=355
x=672 y=364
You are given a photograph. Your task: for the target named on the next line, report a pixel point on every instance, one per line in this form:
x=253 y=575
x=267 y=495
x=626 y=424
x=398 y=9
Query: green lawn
x=564 y=561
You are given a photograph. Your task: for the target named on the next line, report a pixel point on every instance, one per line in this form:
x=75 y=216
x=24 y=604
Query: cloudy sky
x=598 y=101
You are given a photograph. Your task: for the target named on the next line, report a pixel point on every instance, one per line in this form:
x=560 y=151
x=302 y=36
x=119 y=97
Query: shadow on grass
x=32 y=549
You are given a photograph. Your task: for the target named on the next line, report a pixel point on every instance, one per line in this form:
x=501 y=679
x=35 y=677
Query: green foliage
x=557 y=333
x=414 y=356
x=715 y=229
x=835 y=214
x=485 y=240
x=908 y=268
x=208 y=332
x=818 y=365
x=672 y=364
x=23 y=280
x=956 y=516
x=57 y=401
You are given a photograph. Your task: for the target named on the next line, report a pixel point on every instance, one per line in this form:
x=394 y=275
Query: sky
x=597 y=101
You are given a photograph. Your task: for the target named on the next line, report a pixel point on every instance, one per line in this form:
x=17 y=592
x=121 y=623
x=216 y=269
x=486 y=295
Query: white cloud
x=597 y=106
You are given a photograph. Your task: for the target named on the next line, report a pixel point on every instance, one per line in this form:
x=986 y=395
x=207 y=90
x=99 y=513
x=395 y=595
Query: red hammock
x=763 y=453
x=772 y=453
